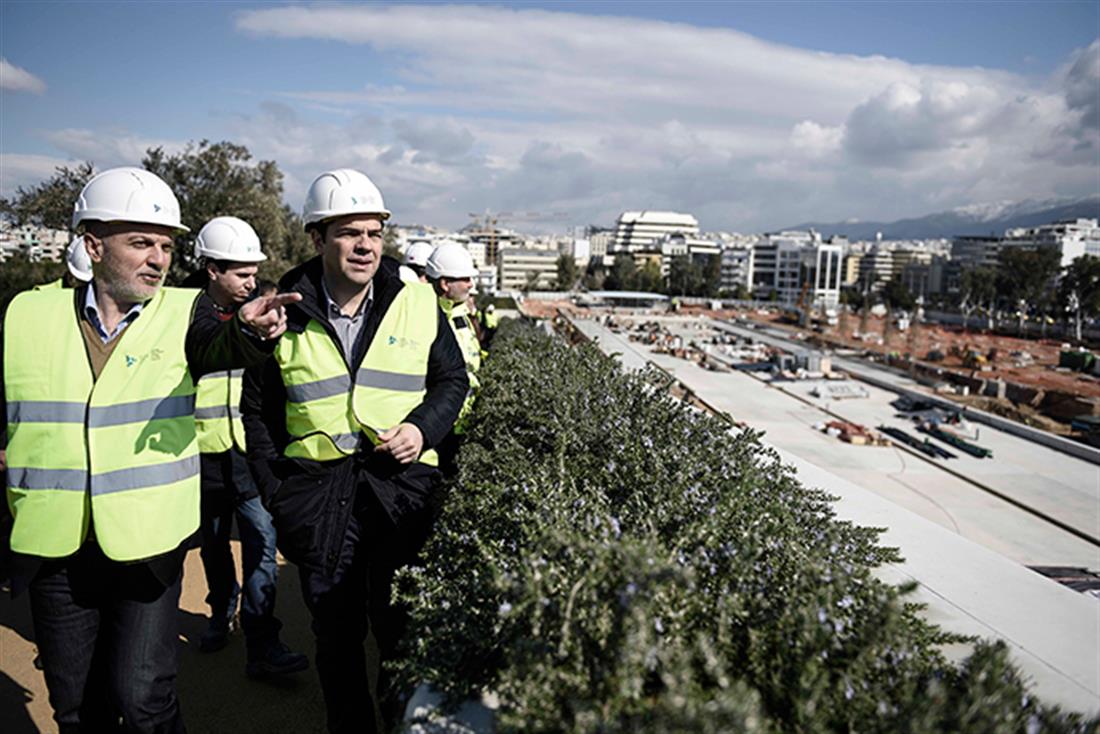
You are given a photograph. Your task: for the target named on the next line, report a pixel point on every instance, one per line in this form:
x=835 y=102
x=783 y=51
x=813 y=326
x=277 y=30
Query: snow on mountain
x=992 y=217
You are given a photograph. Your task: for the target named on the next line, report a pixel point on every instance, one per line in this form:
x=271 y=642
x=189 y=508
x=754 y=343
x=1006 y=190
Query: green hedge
x=611 y=560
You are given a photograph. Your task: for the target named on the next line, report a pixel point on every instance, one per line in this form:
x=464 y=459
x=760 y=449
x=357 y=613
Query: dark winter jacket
x=312 y=501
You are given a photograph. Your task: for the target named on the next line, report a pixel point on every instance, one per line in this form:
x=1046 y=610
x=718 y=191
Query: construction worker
x=341 y=425
x=78 y=264
x=489 y=323
x=416 y=257
x=451 y=271
x=102 y=459
x=229 y=252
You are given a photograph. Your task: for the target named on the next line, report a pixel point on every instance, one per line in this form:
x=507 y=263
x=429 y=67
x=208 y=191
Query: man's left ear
x=94 y=246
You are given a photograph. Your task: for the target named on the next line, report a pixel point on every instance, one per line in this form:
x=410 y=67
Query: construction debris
x=924 y=446
x=852 y=433
x=958 y=442
x=839 y=390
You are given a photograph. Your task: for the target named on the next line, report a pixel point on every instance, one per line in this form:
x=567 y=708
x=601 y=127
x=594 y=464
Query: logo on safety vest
x=403 y=342
x=153 y=354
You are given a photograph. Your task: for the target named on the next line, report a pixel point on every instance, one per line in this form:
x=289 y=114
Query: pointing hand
x=266 y=316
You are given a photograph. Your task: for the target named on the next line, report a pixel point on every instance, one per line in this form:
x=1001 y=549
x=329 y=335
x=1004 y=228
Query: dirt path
x=214 y=692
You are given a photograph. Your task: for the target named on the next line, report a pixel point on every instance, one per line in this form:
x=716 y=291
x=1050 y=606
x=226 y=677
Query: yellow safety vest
x=118 y=451
x=458 y=316
x=218 y=412
x=59 y=283
x=327 y=412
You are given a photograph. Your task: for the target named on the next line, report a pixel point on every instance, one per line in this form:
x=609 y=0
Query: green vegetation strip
x=611 y=560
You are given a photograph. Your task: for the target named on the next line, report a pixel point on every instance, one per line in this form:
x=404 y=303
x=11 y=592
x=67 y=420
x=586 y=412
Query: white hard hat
x=78 y=260
x=340 y=192
x=418 y=253
x=450 y=260
x=407 y=274
x=229 y=238
x=128 y=195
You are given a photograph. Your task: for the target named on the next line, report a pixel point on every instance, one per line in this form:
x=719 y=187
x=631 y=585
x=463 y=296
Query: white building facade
x=790 y=263
x=639 y=231
x=522 y=268
x=1072 y=238
x=737 y=269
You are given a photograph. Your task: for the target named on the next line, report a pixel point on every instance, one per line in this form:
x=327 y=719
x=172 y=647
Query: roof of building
x=510 y=252
x=656 y=217
x=628 y=295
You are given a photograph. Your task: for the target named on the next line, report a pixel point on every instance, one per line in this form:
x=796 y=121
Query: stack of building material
x=853 y=433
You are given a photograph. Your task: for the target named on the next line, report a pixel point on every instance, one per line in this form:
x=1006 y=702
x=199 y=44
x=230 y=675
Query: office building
x=639 y=231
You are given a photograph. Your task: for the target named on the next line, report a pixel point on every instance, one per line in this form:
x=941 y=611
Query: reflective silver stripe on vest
x=216 y=411
x=221 y=375
x=389 y=380
x=318 y=390
x=143 y=477
x=45 y=411
x=143 y=410
x=346 y=441
x=74 y=480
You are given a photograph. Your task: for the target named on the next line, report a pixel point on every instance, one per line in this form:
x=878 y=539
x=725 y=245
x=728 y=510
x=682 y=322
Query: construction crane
x=488 y=221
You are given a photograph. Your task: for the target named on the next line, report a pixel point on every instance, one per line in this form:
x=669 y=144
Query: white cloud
x=904 y=120
x=546 y=110
x=107 y=148
x=17 y=79
x=19 y=170
x=466 y=107
x=1082 y=94
x=816 y=140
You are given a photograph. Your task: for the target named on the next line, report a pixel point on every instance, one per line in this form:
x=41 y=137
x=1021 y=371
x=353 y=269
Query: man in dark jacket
x=229 y=251
x=340 y=428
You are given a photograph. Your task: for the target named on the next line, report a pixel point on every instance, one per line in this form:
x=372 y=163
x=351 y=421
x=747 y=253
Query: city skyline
x=729 y=111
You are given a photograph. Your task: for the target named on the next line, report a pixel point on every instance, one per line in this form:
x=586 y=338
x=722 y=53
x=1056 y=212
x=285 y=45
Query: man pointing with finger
x=103 y=460
x=340 y=428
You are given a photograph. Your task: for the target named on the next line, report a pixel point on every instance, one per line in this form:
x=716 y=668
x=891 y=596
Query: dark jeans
x=348 y=605
x=107 y=633
x=260 y=571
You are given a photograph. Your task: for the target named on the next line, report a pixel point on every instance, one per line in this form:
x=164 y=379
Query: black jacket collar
x=306 y=279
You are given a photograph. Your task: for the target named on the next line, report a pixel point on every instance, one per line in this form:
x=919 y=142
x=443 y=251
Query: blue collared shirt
x=348 y=327
x=91 y=312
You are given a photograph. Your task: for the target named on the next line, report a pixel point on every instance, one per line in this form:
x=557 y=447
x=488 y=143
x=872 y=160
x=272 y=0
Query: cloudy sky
x=749 y=115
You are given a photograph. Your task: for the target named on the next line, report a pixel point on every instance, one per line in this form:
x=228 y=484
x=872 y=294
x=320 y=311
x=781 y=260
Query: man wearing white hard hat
x=228 y=251
x=416 y=257
x=103 y=466
x=450 y=270
x=342 y=426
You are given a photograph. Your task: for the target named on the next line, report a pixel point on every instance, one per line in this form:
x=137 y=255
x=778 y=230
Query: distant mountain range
x=974 y=219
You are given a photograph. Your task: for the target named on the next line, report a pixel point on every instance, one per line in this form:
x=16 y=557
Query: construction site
x=1043 y=383
x=907 y=434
